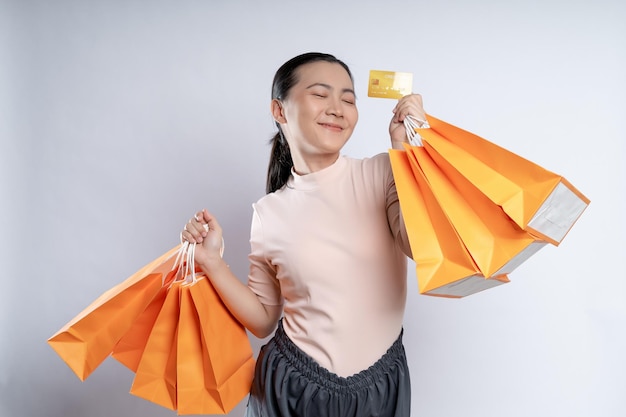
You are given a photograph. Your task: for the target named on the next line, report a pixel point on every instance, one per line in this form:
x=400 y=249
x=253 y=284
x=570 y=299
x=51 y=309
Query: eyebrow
x=345 y=90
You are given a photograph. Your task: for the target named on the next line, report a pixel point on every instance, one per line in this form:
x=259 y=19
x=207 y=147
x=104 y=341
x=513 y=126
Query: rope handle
x=188 y=252
x=411 y=124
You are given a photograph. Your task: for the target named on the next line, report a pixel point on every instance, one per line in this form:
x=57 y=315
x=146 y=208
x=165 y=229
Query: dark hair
x=280 y=164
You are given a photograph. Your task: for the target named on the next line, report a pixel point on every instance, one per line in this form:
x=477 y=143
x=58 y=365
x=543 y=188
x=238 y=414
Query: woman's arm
x=411 y=104
x=204 y=230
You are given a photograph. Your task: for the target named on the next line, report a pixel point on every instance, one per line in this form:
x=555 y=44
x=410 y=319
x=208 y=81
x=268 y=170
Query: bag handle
x=411 y=124
x=190 y=255
x=179 y=262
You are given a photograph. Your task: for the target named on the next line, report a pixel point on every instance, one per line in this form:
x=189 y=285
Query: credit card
x=390 y=84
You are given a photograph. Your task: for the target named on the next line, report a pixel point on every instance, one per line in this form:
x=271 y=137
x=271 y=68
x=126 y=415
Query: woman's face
x=319 y=115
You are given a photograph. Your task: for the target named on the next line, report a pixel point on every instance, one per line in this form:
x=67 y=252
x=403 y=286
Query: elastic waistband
x=395 y=356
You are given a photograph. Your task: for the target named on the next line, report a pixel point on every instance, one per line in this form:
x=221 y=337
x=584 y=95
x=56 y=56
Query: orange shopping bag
x=226 y=346
x=215 y=363
x=443 y=264
x=155 y=377
x=130 y=347
x=496 y=244
x=539 y=201
x=85 y=341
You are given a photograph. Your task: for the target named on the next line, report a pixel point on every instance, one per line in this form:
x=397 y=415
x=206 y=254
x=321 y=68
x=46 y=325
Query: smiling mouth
x=332 y=127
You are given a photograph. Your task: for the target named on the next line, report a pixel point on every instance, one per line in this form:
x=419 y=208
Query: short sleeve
x=262 y=276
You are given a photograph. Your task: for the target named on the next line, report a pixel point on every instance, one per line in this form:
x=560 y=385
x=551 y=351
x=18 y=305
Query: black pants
x=289 y=383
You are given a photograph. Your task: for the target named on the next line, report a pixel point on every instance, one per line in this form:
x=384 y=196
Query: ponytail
x=279 y=168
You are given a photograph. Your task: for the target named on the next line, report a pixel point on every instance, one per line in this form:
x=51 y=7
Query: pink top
x=331 y=246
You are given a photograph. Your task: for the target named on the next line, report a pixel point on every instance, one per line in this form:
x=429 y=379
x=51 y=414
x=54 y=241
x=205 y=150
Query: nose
x=335 y=107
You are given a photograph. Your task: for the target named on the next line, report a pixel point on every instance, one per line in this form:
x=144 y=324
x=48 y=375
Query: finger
x=193 y=231
x=402 y=113
x=185 y=236
x=414 y=100
x=201 y=228
x=414 y=109
x=395 y=109
x=212 y=222
x=417 y=98
x=200 y=217
x=403 y=106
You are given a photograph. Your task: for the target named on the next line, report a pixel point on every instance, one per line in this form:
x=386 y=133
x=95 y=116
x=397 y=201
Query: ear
x=278 y=111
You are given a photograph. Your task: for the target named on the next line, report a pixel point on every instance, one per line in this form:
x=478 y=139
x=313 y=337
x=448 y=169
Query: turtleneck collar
x=315 y=179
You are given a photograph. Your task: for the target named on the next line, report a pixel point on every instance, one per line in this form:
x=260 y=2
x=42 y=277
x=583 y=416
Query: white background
x=119 y=119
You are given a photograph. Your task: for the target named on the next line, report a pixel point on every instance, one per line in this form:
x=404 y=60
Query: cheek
x=309 y=112
x=354 y=117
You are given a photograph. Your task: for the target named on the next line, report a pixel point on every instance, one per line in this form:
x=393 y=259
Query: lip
x=332 y=126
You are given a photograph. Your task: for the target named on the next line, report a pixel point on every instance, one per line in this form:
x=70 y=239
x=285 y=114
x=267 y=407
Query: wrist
x=211 y=265
x=398 y=144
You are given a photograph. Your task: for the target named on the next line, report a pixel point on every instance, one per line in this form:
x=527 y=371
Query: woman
x=328 y=254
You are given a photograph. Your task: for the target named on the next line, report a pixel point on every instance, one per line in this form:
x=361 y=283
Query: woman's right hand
x=204 y=230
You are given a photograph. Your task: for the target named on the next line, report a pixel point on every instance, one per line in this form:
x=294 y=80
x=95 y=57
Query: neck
x=304 y=166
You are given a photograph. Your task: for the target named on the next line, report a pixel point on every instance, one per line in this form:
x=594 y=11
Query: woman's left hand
x=407 y=105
